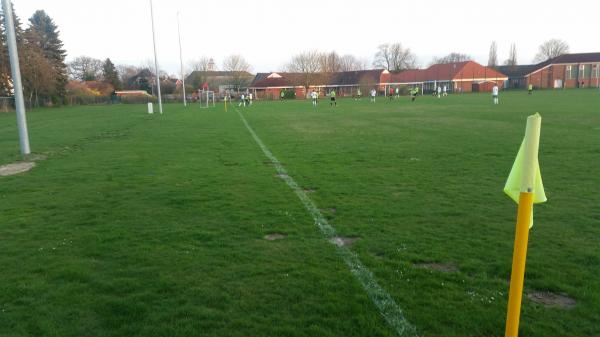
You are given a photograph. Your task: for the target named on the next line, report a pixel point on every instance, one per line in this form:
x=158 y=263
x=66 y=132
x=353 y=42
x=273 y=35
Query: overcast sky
x=268 y=32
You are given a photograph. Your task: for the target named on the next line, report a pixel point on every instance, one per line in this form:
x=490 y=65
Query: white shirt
x=242 y=97
x=444 y=88
x=373 y=92
x=313 y=95
x=250 y=96
x=495 y=90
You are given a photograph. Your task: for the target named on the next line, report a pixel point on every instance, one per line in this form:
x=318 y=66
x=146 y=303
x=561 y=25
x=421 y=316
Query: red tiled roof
x=447 y=72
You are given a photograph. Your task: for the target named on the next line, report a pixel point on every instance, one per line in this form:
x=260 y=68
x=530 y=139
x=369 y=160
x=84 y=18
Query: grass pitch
x=139 y=225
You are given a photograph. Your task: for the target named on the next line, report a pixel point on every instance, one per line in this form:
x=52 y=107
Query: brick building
x=346 y=83
x=460 y=76
x=567 y=71
x=468 y=76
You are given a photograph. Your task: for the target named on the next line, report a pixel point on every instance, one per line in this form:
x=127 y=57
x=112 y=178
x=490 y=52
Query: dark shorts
x=333 y=99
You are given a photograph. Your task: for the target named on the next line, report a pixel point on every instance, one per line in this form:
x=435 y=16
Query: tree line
x=41 y=57
x=49 y=80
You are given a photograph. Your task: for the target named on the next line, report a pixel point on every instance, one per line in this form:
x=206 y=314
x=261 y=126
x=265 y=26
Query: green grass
x=141 y=225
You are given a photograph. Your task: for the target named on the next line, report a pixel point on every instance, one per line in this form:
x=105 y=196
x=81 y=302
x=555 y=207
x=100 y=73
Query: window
x=596 y=71
x=571 y=75
x=584 y=71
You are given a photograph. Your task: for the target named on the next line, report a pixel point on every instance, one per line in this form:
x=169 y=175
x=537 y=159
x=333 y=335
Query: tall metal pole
x=160 y=109
x=181 y=61
x=16 y=76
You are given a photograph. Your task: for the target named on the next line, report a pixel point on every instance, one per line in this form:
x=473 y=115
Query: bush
x=288 y=94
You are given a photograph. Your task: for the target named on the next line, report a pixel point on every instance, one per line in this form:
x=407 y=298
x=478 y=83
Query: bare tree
x=451 y=58
x=551 y=49
x=306 y=63
x=239 y=69
x=363 y=64
x=350 y=63
x=383 y=57
x=85 y=68
x=330 y=63
x=126 y=72
x=493 y=56
x=394 y=57
x=512 y=56
x=202 y=64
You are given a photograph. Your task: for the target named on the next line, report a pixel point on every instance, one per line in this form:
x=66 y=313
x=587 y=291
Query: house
x=459 y=76
x=346 y=83
x=468 y=76
x=220 y=81
x=567 y=71
x=517 y=75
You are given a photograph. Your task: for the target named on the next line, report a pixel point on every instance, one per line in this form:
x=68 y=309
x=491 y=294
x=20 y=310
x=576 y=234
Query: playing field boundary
x=388 y=308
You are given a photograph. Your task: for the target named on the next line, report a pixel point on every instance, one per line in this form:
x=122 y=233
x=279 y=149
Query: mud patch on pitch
x=436 y=266
x=275 y=236
x=16 y=168
x=342 y=241
x=552 y=300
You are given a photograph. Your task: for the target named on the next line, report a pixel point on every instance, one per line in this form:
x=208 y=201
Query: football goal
x=206 y=98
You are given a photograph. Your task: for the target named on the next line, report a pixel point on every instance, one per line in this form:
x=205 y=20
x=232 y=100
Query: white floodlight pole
x=16 y=76
x=181 y=61
x=160 y=109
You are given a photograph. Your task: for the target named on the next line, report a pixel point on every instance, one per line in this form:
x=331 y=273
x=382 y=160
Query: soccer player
x=445 y=91
x=413 y=94
x=359 y=93
x=314 y=96
x=530 y=88
x=495 y=93
x=391 y=93
x=397 y=92
x=439 y=91
x=373 y=94
x=250 y=99
x=332 y=95
x=242 y=100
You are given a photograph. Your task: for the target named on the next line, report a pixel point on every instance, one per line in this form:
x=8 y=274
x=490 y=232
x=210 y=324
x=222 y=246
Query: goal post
x=206 y=98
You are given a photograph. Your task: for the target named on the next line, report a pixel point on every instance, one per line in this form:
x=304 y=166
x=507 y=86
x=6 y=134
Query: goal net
x=206 y=98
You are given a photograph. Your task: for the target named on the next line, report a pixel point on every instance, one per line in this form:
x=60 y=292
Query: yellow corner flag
x=515 y=178
x=524 y=185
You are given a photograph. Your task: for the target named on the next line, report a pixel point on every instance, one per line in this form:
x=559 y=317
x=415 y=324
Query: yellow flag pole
x=524 y=218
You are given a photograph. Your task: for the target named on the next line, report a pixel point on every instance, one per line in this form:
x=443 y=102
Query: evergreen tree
x=512 y=57
x=493 y=57
x=110 y=74
x=4 y=66
x=5 y=72
x=52 y=49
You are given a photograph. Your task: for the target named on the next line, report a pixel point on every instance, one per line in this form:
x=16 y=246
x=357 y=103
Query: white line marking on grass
x=381 y=298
